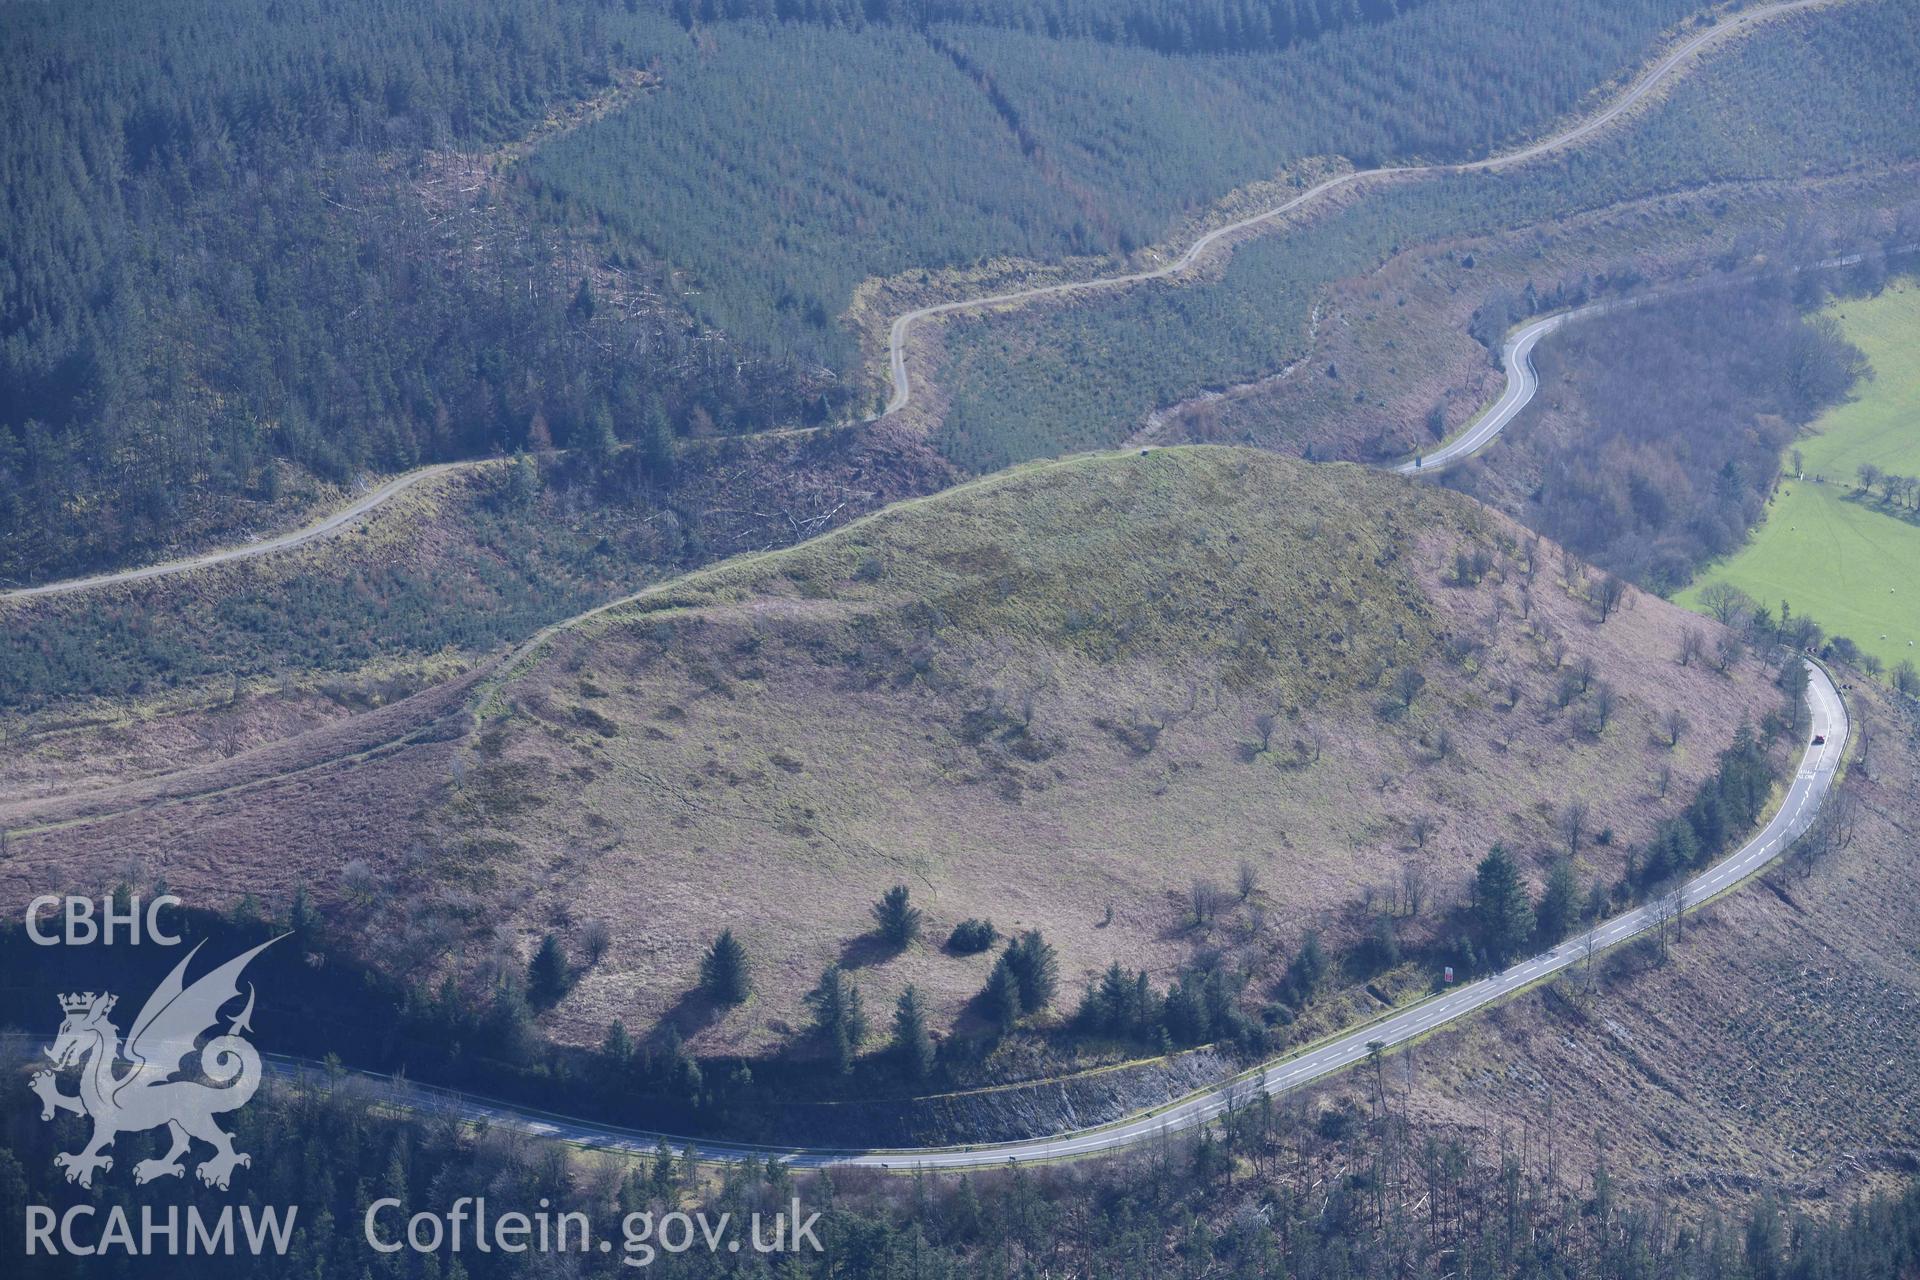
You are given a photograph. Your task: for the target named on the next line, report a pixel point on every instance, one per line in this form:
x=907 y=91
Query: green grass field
x=1848 y=564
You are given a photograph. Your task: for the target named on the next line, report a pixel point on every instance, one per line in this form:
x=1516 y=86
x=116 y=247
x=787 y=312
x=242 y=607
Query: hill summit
x=1060 y=698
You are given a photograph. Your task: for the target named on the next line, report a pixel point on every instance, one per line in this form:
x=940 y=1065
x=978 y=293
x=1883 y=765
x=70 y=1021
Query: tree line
x=784 y=162
x=1106 y=363
x=1897 y=491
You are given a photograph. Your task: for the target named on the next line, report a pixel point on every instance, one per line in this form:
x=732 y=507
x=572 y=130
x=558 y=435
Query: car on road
x=1819 y=739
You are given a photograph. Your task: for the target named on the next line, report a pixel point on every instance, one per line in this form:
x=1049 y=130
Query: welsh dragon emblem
x=147 y=1096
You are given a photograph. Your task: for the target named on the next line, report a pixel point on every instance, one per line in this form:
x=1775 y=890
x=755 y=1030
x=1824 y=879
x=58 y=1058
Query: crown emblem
x=83 y=1001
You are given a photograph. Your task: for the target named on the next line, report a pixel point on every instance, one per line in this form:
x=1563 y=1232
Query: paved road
x=1516 y=357
x=1812 y=778
x=319 y=529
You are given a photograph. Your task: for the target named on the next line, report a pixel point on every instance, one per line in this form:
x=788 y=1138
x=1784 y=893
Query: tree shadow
x=691 y=1014
x=867 y=949
x=1882 y=507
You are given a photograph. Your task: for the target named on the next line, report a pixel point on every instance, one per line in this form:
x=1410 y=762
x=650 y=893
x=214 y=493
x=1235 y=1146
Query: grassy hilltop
x=1074 y=686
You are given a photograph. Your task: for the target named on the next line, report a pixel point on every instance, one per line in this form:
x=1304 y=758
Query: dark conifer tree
x=724 y=971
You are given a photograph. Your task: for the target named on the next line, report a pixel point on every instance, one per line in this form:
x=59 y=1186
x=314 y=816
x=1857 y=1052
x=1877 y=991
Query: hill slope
x=1042 y=695
x=1041 y=698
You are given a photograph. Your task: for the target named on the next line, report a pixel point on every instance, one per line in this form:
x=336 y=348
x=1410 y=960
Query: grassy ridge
x=1124 y=558
x=1842 y=559
x=464 y=564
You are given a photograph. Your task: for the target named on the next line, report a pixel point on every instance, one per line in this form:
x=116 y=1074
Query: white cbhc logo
x=163 y=1036
x=82 y=925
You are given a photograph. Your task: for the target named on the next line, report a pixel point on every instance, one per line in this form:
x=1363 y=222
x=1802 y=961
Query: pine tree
x=966 y=1215
x=1035 y=968
x=1208 y=1158
x=899 y=921
x=841 y=1041
x=724 y=972
x=1110 y=1003
x=1559 y=903
x=1306 y=968
x=911 y=1042
x=617 y=1048
x=1002 y=996
x=547 y=973
x=508 y=1031
x=839 y=1015
x=300 y=916
x=523 y=481
x=659 y=459
x=1501 y=907
x=601 y=441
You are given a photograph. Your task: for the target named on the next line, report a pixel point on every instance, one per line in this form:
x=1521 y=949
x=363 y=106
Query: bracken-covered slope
x=1044 y=698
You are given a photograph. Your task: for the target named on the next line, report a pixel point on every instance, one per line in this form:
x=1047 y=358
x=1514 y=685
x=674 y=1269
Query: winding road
x=898 y=333
x=1516 y=357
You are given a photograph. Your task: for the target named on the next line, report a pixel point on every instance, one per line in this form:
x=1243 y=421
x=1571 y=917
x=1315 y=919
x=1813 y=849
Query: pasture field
x=1882 y=424
x=1850 y=562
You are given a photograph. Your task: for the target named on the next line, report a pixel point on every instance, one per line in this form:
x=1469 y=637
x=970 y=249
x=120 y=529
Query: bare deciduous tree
x=1573 y=823
x=1831 y=832
x=1413 y=887
x=1249 y=879
x=358 y=882
x=1663 y=915
x=1307 y=745
x=1605 y=700
x=1609 y=595
x=1208 y=898
x=1406 y=686
x=1693 y=644
x=1673 y=724
x=1726 y=602
x=1263 y=725
x=1572 y=570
